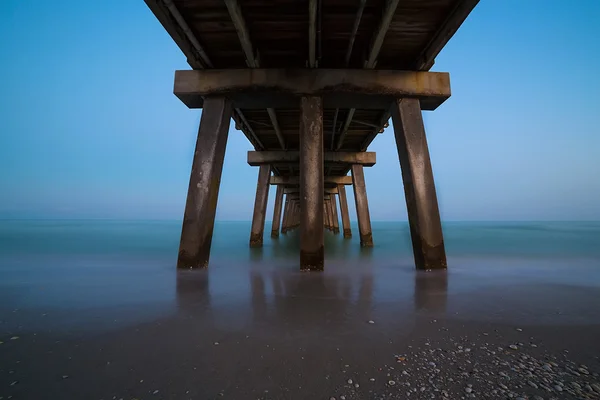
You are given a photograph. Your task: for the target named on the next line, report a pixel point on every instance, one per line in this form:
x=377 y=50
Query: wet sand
x=251 y=331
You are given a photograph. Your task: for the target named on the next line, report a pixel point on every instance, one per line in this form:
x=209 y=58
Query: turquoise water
x=128 y=267
x=160 y=239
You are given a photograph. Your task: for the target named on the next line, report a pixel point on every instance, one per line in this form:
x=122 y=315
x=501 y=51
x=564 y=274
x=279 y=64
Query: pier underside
x=311 y=84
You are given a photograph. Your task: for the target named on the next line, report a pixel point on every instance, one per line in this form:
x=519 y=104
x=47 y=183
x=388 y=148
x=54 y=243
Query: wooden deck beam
x=295 y=180
x=261 y=88
x=296 y=190
x=235 y=12
x=365 y=158
x=375 y=48
x=444 y=34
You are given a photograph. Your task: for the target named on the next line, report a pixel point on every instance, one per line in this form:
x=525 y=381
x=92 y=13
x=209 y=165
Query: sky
x=89 y=127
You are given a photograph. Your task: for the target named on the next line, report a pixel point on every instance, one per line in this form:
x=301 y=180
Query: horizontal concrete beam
x=365 y=158
x=297 y=190
x=282 y=88
x=295 y=180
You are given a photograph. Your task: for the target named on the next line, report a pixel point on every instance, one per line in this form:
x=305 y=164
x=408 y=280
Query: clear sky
x=90 y=127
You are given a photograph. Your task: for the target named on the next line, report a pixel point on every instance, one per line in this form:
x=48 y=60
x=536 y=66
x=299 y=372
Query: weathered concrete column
x=277 y=212
x=297 y=215
x=362 y=206
x=329 y=214
x=311 y=183
x=344 y=211
x=293 y=216
x=325 y=214
x=260 y=206
x=336 y=221
x=286 y=215
x=205 y=179
x=419 y=187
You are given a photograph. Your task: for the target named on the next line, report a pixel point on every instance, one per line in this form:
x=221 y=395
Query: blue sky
x=90 y=127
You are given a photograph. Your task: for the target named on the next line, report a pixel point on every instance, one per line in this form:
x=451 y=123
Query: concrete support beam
x=327 y=220
x=297 y=214
x=293 y=214
x=260 y=206
x=261 y=88
x=277 y=212
x=290 y=225
x=312 y=33
x=362 y=206
x=366 y=158
x=312 y=254
x=336 y=221
x=419 y=187
x=344 y=211
x=205 y=179
x=295 y=180
x=330 y=212
x=286 y=215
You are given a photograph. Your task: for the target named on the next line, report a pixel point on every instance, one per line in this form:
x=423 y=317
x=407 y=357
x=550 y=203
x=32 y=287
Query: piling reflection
x=431 y=291
x=308 y=300
x=193 y=290
x=279 y=297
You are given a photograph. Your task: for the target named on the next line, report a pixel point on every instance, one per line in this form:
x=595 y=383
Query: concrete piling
x=362 y=206
x=419 y=187
x=205 y=179
x=311 y=183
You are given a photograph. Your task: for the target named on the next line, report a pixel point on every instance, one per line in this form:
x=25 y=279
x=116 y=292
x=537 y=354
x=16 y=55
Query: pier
x=311 y=84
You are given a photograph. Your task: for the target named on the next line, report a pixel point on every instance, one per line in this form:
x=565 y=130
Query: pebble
x=519 y=330
x=216 y=343
x=391 y=383
x=332 y=398
x=14 y=338
x=532 y=384
x=65 y=376
x=558 y=388
x=468 y=390
x=514 y=347
x=547 y=367
x=584 y=371
x=356 y=385
x=14 y=383
x=371 y=322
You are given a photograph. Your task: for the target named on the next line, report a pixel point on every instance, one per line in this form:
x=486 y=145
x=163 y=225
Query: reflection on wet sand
x=431 y=291
x=283 y=298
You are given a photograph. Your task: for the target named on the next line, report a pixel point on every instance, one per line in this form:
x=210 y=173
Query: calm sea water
x=91 y=271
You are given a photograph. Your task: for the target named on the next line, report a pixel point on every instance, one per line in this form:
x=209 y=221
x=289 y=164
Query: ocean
x=95 y=264
x=97 y=309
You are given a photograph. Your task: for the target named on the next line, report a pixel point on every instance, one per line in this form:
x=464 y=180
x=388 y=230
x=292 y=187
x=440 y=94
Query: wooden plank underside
x=365 y=158
x=295 y=180
x=246 y=87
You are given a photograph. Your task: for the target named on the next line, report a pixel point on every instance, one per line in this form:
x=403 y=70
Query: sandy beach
x=354 y=332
